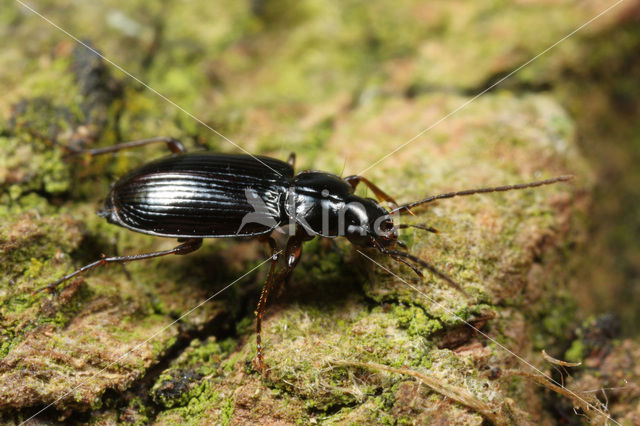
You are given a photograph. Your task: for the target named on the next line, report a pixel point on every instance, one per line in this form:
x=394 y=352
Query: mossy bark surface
x=342 y=84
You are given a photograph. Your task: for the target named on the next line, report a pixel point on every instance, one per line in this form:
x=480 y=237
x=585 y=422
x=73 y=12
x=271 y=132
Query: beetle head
x=368 y=224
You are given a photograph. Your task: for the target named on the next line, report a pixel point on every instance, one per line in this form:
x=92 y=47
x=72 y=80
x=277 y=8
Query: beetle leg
x=379 y=193
x=264 y=295
x=293 y=252
x=292 y=159
x=174 y=145
x=186 y=247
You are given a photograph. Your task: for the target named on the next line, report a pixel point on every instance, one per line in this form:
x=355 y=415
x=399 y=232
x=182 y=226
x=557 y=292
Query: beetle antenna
x=419 y=226
x=401 y=256
x=410 y=265
x=405 y=207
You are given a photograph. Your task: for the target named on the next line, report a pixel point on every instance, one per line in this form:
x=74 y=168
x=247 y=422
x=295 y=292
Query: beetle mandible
x=192 y=196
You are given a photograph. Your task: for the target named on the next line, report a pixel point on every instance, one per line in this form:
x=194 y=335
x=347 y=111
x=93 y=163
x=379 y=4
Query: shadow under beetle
x=191 y=196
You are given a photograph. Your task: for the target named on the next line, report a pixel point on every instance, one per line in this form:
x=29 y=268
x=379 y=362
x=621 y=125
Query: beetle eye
x=386 y=226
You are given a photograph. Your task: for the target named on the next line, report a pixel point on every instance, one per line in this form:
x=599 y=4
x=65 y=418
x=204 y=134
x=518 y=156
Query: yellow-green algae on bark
x=342 y=84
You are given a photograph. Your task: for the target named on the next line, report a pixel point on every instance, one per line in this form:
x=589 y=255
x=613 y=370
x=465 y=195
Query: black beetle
x=191 y=196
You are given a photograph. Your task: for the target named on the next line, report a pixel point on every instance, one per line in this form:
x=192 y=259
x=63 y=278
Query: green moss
x=196 y=406
x=142 y=414
x=415 y=320
x=576 y=352
x=179 y=387
x=226 y=416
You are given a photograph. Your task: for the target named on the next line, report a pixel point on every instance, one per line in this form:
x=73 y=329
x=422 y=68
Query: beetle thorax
x=324 y=204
